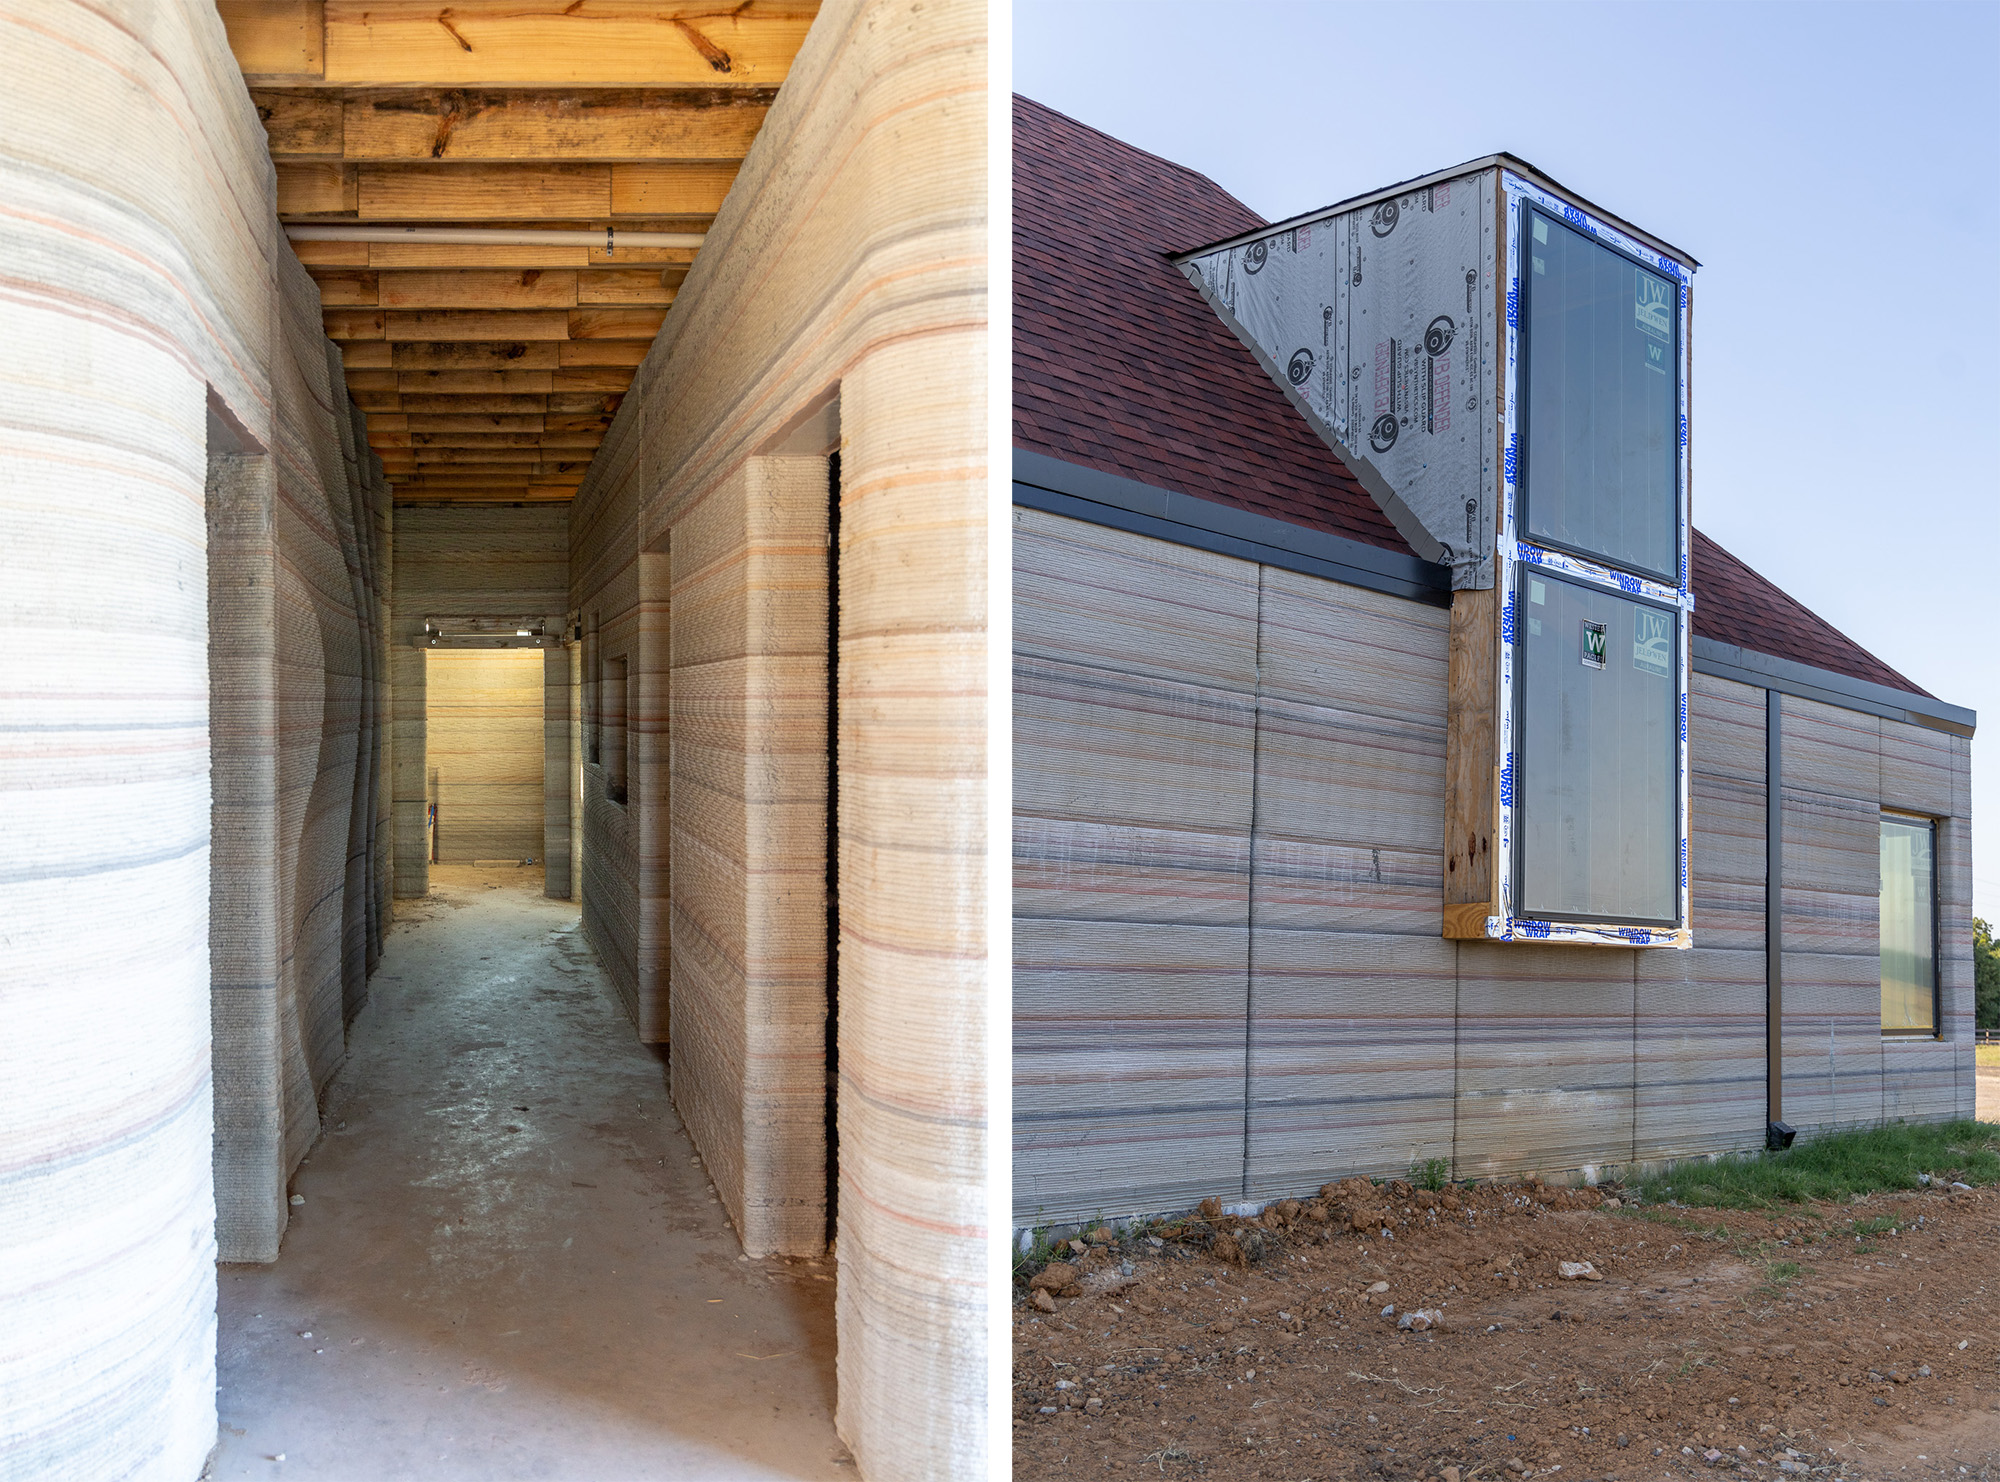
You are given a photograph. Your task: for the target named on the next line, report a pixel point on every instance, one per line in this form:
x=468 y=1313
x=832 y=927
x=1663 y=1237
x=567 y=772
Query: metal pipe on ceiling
x=610 y=238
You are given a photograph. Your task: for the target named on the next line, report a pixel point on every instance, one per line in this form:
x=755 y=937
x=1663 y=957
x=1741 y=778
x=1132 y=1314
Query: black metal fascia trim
x=1788 y=677
x=1098 y=498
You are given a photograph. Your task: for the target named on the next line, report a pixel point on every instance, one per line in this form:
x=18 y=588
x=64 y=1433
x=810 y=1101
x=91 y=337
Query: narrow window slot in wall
x=612 y=691
x=593 y=672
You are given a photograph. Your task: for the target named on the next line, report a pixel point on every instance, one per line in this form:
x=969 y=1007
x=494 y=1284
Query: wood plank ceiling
x=491 y=372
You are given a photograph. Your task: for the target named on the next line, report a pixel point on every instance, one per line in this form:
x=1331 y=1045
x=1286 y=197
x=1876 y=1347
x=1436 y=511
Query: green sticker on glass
x=1593 y=644
x=1653 y=641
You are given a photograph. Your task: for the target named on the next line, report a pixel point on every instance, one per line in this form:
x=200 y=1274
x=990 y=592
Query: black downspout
x=1778 y=1133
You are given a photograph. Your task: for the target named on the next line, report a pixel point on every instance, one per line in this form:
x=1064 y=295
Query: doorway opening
x=484 y=739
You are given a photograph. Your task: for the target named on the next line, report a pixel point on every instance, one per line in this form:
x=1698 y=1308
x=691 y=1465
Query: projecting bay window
x=1909 y=925
x=1592 y=815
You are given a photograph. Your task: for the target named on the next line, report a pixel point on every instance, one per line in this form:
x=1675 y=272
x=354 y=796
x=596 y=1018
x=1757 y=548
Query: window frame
x=1505 y=922
x=1524 y=409
x=1936 y=1031
x=1523 y=573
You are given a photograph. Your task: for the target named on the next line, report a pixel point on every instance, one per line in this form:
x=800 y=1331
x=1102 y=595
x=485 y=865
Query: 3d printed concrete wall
x=175 y=425
x=850 y=254
x=1229 y=804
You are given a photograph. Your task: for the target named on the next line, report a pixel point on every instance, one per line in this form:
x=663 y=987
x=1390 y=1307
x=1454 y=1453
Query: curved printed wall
x=142 y=284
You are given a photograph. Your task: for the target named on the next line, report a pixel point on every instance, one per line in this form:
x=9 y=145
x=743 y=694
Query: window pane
x=1596 y=799
x=1909 y=971
x=1600 y=406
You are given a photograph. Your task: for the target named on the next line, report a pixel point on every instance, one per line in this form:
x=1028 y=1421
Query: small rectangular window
x=1600 y=405
x=1909 y=926
x=612 y=689
x=593 y=671
x=1595 y=790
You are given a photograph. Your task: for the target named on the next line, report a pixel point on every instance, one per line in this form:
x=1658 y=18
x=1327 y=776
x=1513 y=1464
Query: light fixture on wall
x=491 y=631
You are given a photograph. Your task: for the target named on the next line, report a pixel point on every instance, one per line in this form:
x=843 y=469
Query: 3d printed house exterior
x=1398 y=773
x=332 y=456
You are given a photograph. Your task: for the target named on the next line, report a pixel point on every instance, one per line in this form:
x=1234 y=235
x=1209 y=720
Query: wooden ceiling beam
x=446 y=382
x=602 y=354
x=529 y=192
x=465 y=406
x=500 y=355
x=492 y=372
x=579 y=380
x=519 y=125
x=475 y=422
x=630 y=43
x=450 y=255
x=479 y=288
x=644 y=125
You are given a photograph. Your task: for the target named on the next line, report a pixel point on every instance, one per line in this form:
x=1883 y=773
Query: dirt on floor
x=1407 y=1333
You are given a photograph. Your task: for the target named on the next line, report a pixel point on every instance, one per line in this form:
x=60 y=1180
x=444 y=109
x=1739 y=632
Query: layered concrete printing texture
x=176 y=427
x=1229 y=974
x=842 y=288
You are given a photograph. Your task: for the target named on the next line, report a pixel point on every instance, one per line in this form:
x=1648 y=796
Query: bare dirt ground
x=1855 y=1341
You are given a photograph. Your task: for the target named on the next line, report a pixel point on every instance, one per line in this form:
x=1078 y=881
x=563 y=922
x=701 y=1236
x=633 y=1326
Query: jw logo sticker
x=1593 y=645
x=1653 y=642
x=1653 y=306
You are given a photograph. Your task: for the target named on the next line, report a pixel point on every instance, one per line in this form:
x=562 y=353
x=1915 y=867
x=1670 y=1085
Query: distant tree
x=1985 y=976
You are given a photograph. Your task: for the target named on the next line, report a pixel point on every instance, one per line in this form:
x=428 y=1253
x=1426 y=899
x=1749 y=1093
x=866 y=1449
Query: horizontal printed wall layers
x=748 y=1004
x=1509 y=1059
x=1134 y=794
x=847 y=261
x=162 y=363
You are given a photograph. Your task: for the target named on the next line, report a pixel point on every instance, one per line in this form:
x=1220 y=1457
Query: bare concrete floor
x=509 y=1263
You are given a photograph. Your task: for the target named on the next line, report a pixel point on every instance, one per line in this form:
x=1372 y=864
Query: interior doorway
x=485 y=737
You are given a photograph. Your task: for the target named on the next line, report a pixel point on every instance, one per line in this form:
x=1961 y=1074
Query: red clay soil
x=1707 y=1340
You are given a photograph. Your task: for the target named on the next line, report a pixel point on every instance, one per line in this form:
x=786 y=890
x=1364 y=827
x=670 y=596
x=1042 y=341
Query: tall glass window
x=1597 y=698
x=1600 y=412
x=1909 y=926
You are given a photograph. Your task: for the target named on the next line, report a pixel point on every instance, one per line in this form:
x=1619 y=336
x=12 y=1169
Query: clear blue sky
x=1834 y=167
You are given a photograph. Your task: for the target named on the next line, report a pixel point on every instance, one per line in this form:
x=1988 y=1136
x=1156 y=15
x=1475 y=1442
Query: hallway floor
x=509 y=1263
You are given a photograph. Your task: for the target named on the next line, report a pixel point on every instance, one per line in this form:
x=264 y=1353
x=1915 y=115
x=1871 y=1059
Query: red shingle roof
x=1120 y=366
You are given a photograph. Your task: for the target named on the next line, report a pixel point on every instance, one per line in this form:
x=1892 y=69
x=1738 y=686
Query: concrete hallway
x=509 y=1260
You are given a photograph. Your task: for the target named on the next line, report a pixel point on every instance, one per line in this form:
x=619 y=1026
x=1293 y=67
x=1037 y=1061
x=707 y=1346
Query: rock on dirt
x=1747 y=1335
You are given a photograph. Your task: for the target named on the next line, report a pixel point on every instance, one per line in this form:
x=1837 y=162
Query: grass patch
x=1987 y=1055
x=1431 y=1173
x=1840 y=1165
